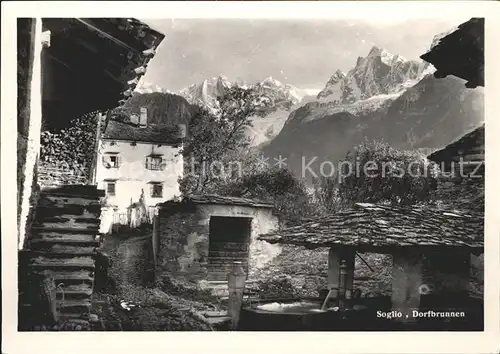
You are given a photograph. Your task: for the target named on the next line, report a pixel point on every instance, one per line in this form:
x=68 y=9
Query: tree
x=375 y=172
x=326 y=195
x=213 y=136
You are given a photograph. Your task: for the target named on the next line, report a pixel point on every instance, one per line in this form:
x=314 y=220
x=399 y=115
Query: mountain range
x=283 y=96
x=384 y=97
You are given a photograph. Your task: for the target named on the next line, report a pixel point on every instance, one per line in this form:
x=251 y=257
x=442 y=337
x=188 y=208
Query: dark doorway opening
x=229 y=239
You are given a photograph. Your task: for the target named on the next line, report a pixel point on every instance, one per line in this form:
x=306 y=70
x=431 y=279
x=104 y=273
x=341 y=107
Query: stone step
x=84 y=191
x=218 y=272
x=74 y=291
x=64 y=220
x=74 y=249
x=51 y=261
x=72 y=277
x=66 y=236
x=37 y=229
x=73 y=294
x=64 y=241
x=69 y=223
x=76 y=287
x=84 y=316
x=58 y=201
x=44 y=212
x=78 y=308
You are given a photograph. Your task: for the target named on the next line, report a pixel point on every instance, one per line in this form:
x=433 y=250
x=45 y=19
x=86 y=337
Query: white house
x=138 y=165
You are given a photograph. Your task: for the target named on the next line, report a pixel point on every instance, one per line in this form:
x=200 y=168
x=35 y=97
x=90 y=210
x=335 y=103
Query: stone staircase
x=62 y=244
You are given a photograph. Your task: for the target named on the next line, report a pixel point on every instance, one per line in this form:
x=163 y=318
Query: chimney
x=182 y=131
x=134 y=119
x=143 y=121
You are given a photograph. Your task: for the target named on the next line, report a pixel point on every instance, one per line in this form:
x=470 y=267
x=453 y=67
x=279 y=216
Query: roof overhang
x=461 y=53
x=212 y=199
x=383 y=229
x=94 y=64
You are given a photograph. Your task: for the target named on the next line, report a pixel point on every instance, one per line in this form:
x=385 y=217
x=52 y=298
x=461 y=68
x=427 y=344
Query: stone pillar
x=335 y=257
x=236 y=285
x=406 y=281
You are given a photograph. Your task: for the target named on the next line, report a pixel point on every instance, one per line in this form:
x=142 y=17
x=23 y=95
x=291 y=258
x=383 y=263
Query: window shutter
x=105 y=161
x=118 y=160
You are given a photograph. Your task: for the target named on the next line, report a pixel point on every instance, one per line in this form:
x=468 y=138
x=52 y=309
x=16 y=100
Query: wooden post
x=236 y=284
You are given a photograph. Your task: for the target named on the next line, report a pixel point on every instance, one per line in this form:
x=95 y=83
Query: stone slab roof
x=461 y=53
x=161 y=134
x=374 y=226
x=225 y=200
x=469 y=145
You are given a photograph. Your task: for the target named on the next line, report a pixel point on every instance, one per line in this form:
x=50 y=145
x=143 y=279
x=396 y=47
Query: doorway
x=229 y=239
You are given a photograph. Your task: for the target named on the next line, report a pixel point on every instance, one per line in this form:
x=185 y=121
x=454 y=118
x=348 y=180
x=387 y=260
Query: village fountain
x=418 y=239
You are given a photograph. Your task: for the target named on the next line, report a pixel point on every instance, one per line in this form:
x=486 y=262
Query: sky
x=303 y=53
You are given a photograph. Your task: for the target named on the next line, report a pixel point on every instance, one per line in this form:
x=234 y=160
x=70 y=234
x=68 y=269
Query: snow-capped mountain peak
x=332 y=86
x=379 y=73
x=207 y=92
x=270 y=81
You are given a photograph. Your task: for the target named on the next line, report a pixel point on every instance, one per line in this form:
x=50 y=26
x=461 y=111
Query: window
x=111 y=160
x=155 y=163
x=156 y=190
x=110 y=188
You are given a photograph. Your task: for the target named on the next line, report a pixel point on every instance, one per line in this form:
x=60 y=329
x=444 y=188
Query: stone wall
x=184 y=238
x=183 y=244
x=26 y=29
x=22 y=149
x=306 y=271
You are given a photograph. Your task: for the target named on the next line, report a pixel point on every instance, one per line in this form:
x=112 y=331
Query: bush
x=386 y=174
